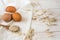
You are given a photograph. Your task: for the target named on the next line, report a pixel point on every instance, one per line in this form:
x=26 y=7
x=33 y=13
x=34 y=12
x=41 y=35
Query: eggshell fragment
x=14 y=28
x=10 y=9
x=16 y=17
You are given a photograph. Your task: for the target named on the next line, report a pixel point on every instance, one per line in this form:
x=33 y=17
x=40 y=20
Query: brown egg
x=7 y=17
x=16 y=17
x=10 y=9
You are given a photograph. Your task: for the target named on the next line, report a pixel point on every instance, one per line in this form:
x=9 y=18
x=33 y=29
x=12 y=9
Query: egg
x=10 y=9
x=7 y=17
x=16 y=17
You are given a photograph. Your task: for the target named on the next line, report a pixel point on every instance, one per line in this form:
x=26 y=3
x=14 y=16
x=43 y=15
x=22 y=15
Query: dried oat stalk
x=51 y=21
x=49 y=34
x=29 y=35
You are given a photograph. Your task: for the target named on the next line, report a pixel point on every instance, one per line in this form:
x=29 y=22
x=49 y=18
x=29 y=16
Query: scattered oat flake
x=49 y=34
x=52 y=20
x=34 y=18
x=44 y=11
